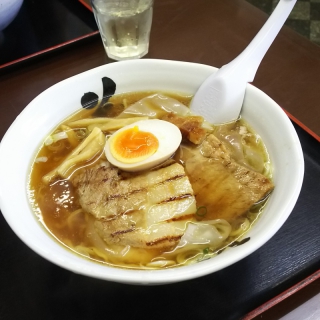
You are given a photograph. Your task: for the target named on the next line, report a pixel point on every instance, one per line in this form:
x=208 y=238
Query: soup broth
x=56 y=200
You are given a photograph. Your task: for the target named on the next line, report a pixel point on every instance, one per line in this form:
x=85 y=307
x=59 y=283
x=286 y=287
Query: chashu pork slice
x=138 y=210
x=226 y=188
x=125 y=231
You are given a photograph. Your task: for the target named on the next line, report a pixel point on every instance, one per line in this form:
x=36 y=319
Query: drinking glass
x=124 y=26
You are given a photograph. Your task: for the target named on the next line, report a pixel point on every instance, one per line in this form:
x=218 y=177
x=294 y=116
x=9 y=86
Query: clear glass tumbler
x=124 y=27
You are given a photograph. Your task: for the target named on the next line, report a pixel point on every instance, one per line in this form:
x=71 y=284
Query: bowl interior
x=42 y=115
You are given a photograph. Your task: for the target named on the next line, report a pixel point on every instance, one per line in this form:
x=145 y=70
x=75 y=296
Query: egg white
x=168 y=135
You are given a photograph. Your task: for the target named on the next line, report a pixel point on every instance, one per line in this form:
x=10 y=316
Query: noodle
x=71 y=135
x=242 y=228
x=188 y=256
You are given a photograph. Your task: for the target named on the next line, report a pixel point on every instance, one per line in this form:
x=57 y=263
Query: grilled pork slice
x=123 y=231
x=137 y=210
x=190 y=126
x=224 y=187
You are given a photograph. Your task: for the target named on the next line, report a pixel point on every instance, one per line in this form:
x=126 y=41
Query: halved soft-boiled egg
x=143 y=144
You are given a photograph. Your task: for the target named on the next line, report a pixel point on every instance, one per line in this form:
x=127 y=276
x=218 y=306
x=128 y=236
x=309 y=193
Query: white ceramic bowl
x=28 y=131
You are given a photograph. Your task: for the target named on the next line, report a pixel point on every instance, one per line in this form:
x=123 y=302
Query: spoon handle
x=220 y=97
x=256 y=50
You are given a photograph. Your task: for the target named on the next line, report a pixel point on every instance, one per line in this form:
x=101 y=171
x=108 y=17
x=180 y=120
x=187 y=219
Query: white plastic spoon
x=220 y=97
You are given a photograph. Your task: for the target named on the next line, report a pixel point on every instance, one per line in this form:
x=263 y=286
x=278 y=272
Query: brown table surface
x=211 y=32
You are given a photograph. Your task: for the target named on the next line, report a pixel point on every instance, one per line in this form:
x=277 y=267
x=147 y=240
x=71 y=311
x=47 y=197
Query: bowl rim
x=78 y=264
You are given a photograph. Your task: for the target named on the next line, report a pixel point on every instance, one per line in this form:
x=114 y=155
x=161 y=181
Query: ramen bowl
x=56 y=103
x=8 y=11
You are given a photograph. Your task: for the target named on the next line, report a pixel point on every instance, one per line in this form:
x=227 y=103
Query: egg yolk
x=133 y=145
